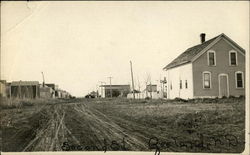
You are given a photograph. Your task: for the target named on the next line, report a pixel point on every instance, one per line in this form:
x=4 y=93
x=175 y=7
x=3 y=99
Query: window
x=180 y=84
x=211 y=58
x=239 y=79
x=232 y=58
x=186 y=84
x=206 y=80
x=171 y=86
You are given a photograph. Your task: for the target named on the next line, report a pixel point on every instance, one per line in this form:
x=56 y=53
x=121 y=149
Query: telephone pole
x=164 y=81
x=43 y=80
x=133 y=87
x=110 y=88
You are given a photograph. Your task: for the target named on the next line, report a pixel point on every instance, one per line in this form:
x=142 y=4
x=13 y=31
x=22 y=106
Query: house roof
x=24 y=83
x=115 y=85
x=118 y=87
x=191 y=52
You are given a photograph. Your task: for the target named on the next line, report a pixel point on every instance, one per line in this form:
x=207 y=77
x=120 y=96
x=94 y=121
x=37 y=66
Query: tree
x=148 y=81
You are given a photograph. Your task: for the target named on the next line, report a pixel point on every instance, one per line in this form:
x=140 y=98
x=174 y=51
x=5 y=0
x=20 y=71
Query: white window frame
x=211 y=51
x=209 y=79
x=242 y=74
x=236 y=57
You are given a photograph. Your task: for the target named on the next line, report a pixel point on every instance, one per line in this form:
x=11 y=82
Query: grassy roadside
x=201 y=125
x=14 y=103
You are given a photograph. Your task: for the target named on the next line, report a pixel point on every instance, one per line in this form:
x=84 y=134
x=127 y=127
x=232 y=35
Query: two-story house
x=214 y=68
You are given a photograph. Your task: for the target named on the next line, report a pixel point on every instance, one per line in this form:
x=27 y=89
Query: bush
x=180 y=99
x=231 y=96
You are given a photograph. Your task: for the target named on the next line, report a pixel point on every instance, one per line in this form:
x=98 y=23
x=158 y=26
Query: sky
x=78 y=44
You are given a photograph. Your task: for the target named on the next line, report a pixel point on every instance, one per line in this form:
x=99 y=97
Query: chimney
x=203 y=36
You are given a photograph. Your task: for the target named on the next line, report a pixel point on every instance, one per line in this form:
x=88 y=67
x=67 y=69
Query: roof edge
x=214 y=42
x=183 y=63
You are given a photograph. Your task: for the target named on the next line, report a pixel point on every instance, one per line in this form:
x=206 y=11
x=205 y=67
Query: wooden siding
x=174 y=76
x=200 y=65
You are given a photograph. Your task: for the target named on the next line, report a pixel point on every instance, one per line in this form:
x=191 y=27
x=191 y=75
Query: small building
x=54 y=88
x=46 y=92
x=62 y=94
x=3 y=88
x=149 y=92
x=151 y=88
x=114 y=90
x=24 y=89
x=213 y=68
x=52 y=85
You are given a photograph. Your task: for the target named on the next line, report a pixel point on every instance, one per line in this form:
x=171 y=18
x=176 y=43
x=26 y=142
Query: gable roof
x=188 y=55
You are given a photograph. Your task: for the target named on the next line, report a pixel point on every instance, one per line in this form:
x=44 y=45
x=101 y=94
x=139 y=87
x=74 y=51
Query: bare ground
x=104 y=125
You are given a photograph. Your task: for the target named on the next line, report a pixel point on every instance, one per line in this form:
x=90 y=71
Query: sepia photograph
x=151 y=77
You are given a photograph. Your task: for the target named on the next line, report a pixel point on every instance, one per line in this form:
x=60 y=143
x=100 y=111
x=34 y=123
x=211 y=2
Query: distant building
x=149 y=92
x=117 y=90
x=151 y=88
x=3 y=88
x=63 y=94
x=54 y=88
x=214 y=68
x=24 y=89
x=52 y=85
x=46 y=92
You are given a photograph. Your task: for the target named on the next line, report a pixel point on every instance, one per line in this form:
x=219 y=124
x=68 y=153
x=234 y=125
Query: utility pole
x=164 y=81
x=139 y=87
x=150 y=89
x=19 y=89
x=133 y=87
x=102 y=89
x=97 y=91
x=43 y=80
x=110 y=86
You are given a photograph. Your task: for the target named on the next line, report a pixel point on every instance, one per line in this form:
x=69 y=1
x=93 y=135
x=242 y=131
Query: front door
x=223 y=85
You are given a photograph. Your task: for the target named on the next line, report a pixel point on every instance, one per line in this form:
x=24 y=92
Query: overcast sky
x=76 y=44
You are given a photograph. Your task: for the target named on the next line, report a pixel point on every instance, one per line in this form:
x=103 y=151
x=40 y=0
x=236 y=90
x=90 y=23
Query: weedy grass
x=197 y=125
x=12 y=103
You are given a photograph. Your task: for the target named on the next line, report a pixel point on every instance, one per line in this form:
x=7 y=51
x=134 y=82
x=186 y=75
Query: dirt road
x=112 y=125
x=71 y=126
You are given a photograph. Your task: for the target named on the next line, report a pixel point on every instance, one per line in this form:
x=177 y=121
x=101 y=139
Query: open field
x=121 y=124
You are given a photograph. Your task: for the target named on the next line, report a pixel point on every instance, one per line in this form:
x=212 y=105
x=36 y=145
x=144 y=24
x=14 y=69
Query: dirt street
x=120 y=125
x=71 y=126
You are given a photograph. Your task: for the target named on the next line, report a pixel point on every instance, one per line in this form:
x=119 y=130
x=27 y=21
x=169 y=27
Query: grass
x=198 y=125
x=13 y=103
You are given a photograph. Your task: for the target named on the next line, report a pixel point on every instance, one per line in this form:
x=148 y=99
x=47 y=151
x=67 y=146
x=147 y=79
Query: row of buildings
x=150 y=91
x=213 y=68
x=31 y=90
